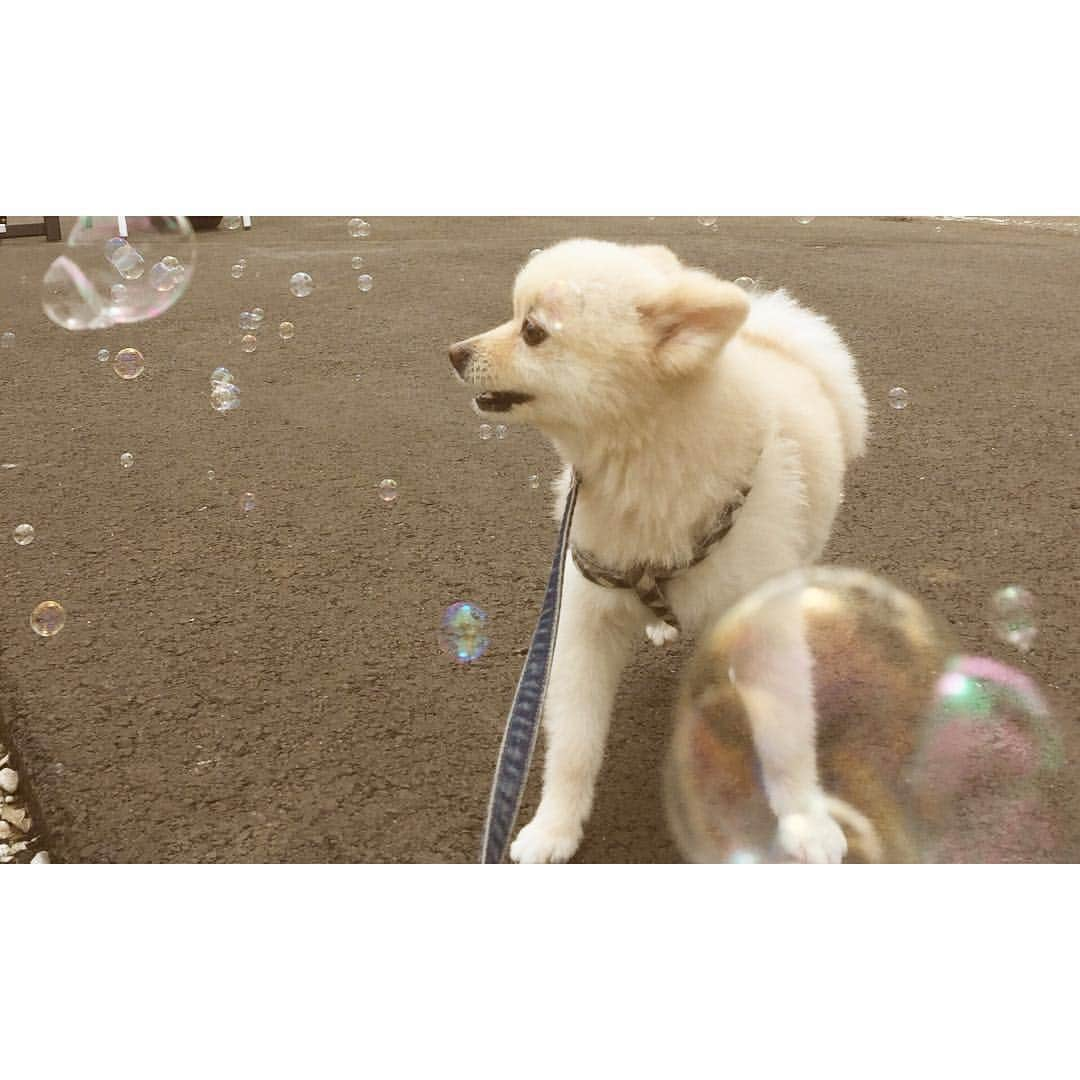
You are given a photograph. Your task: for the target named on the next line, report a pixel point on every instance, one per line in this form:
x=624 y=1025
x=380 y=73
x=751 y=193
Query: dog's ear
x=692 y=318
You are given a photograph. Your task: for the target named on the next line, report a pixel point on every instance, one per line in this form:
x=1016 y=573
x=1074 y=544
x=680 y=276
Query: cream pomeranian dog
x=709 y=429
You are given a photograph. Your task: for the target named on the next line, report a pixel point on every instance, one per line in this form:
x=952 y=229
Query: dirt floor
x=266 y=685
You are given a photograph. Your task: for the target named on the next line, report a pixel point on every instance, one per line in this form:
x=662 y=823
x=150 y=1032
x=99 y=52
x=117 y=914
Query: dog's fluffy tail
x=817 y=345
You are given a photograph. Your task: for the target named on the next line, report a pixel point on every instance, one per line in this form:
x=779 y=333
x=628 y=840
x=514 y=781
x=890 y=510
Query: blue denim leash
x=523 y=723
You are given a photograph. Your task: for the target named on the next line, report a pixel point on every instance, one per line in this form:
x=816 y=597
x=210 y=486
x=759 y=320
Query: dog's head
x=597 y=327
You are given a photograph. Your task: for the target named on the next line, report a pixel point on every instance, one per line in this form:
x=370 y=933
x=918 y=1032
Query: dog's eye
x=532 y=332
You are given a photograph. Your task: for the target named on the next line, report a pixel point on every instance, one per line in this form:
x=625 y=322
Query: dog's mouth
x=500 y=400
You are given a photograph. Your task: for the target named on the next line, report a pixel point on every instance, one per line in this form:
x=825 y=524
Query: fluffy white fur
x=666 y=388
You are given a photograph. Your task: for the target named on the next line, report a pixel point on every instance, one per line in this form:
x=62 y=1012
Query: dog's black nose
x=459 y=357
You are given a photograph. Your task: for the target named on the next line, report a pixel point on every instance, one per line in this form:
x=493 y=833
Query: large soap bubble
x=836 y=676
x=152 y=266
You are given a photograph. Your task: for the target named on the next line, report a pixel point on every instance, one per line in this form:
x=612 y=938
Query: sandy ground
x=266 y=686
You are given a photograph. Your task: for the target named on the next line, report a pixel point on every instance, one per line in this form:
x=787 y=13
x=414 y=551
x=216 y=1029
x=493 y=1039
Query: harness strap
x=646 y=579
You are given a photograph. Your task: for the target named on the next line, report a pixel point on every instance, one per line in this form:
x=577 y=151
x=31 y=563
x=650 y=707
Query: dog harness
x=647 y=579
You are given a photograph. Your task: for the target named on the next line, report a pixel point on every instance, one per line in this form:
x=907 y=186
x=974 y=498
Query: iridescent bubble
x=103 y=355
x=286 y=331
x=24 y=534
x=365 y=283
x=747 y=283
x=127 y=460
x=388 y=490
x=232 y=223
x=128 y=363
x=1013 y=617
x=357 y=262
x=300 y=284
x=247 y=501
x=898 y=397
x=48 y=618
x=77 y=289
x=210 y=474
x=162 y=277
x=258 y=315
x=486 y=432
x=248 y=321
x=125 y=260
x=707 y=222
x=220 y=375
x=224 y=397
x=845 y=665
x=989 y=781
x=462 y=632
x=7 y=339
x=359 y=228
x=249 y=343
x=236 y=270
x=500 y=431
x=534 y=482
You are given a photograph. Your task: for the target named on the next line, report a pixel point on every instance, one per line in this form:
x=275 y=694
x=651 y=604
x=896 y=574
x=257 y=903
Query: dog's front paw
x=661 y=633
x=545 y=842
x=812 y=838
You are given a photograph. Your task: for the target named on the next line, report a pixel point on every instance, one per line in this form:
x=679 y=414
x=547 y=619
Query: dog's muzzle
x=460 y=355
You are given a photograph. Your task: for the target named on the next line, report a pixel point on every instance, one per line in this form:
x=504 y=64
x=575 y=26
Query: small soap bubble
x=358 y=262
x=224 y=397
x=119 y=295
x=128 y=363
x=388 y=490
x=286 y=331
x=898 y=397
x=804 y=220
x=939 y=228
x=210 y=474
x=220 y=375
x=300 y=284
x=161 y=277
x=48 y=618
x=258 y=315
x=236 y=270
x=247 y=501
x=359 y=228
x=127 y=460
x=746 y=283
x=171 y=262
x=500 y=431
x=1013 y=617
x=248 y=321
x=707 y=222
x=126 y=260
x=534 y=482
x=486 y=431
x=103 y=355
x=231 y=223
x=24 y=534
x=249 y=343
x=7 y=339
x=462 y=632
x=365 y=283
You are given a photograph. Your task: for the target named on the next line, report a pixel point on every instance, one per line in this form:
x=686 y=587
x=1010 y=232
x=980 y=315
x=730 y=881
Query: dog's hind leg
x=591 y=650
x=773 y=673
